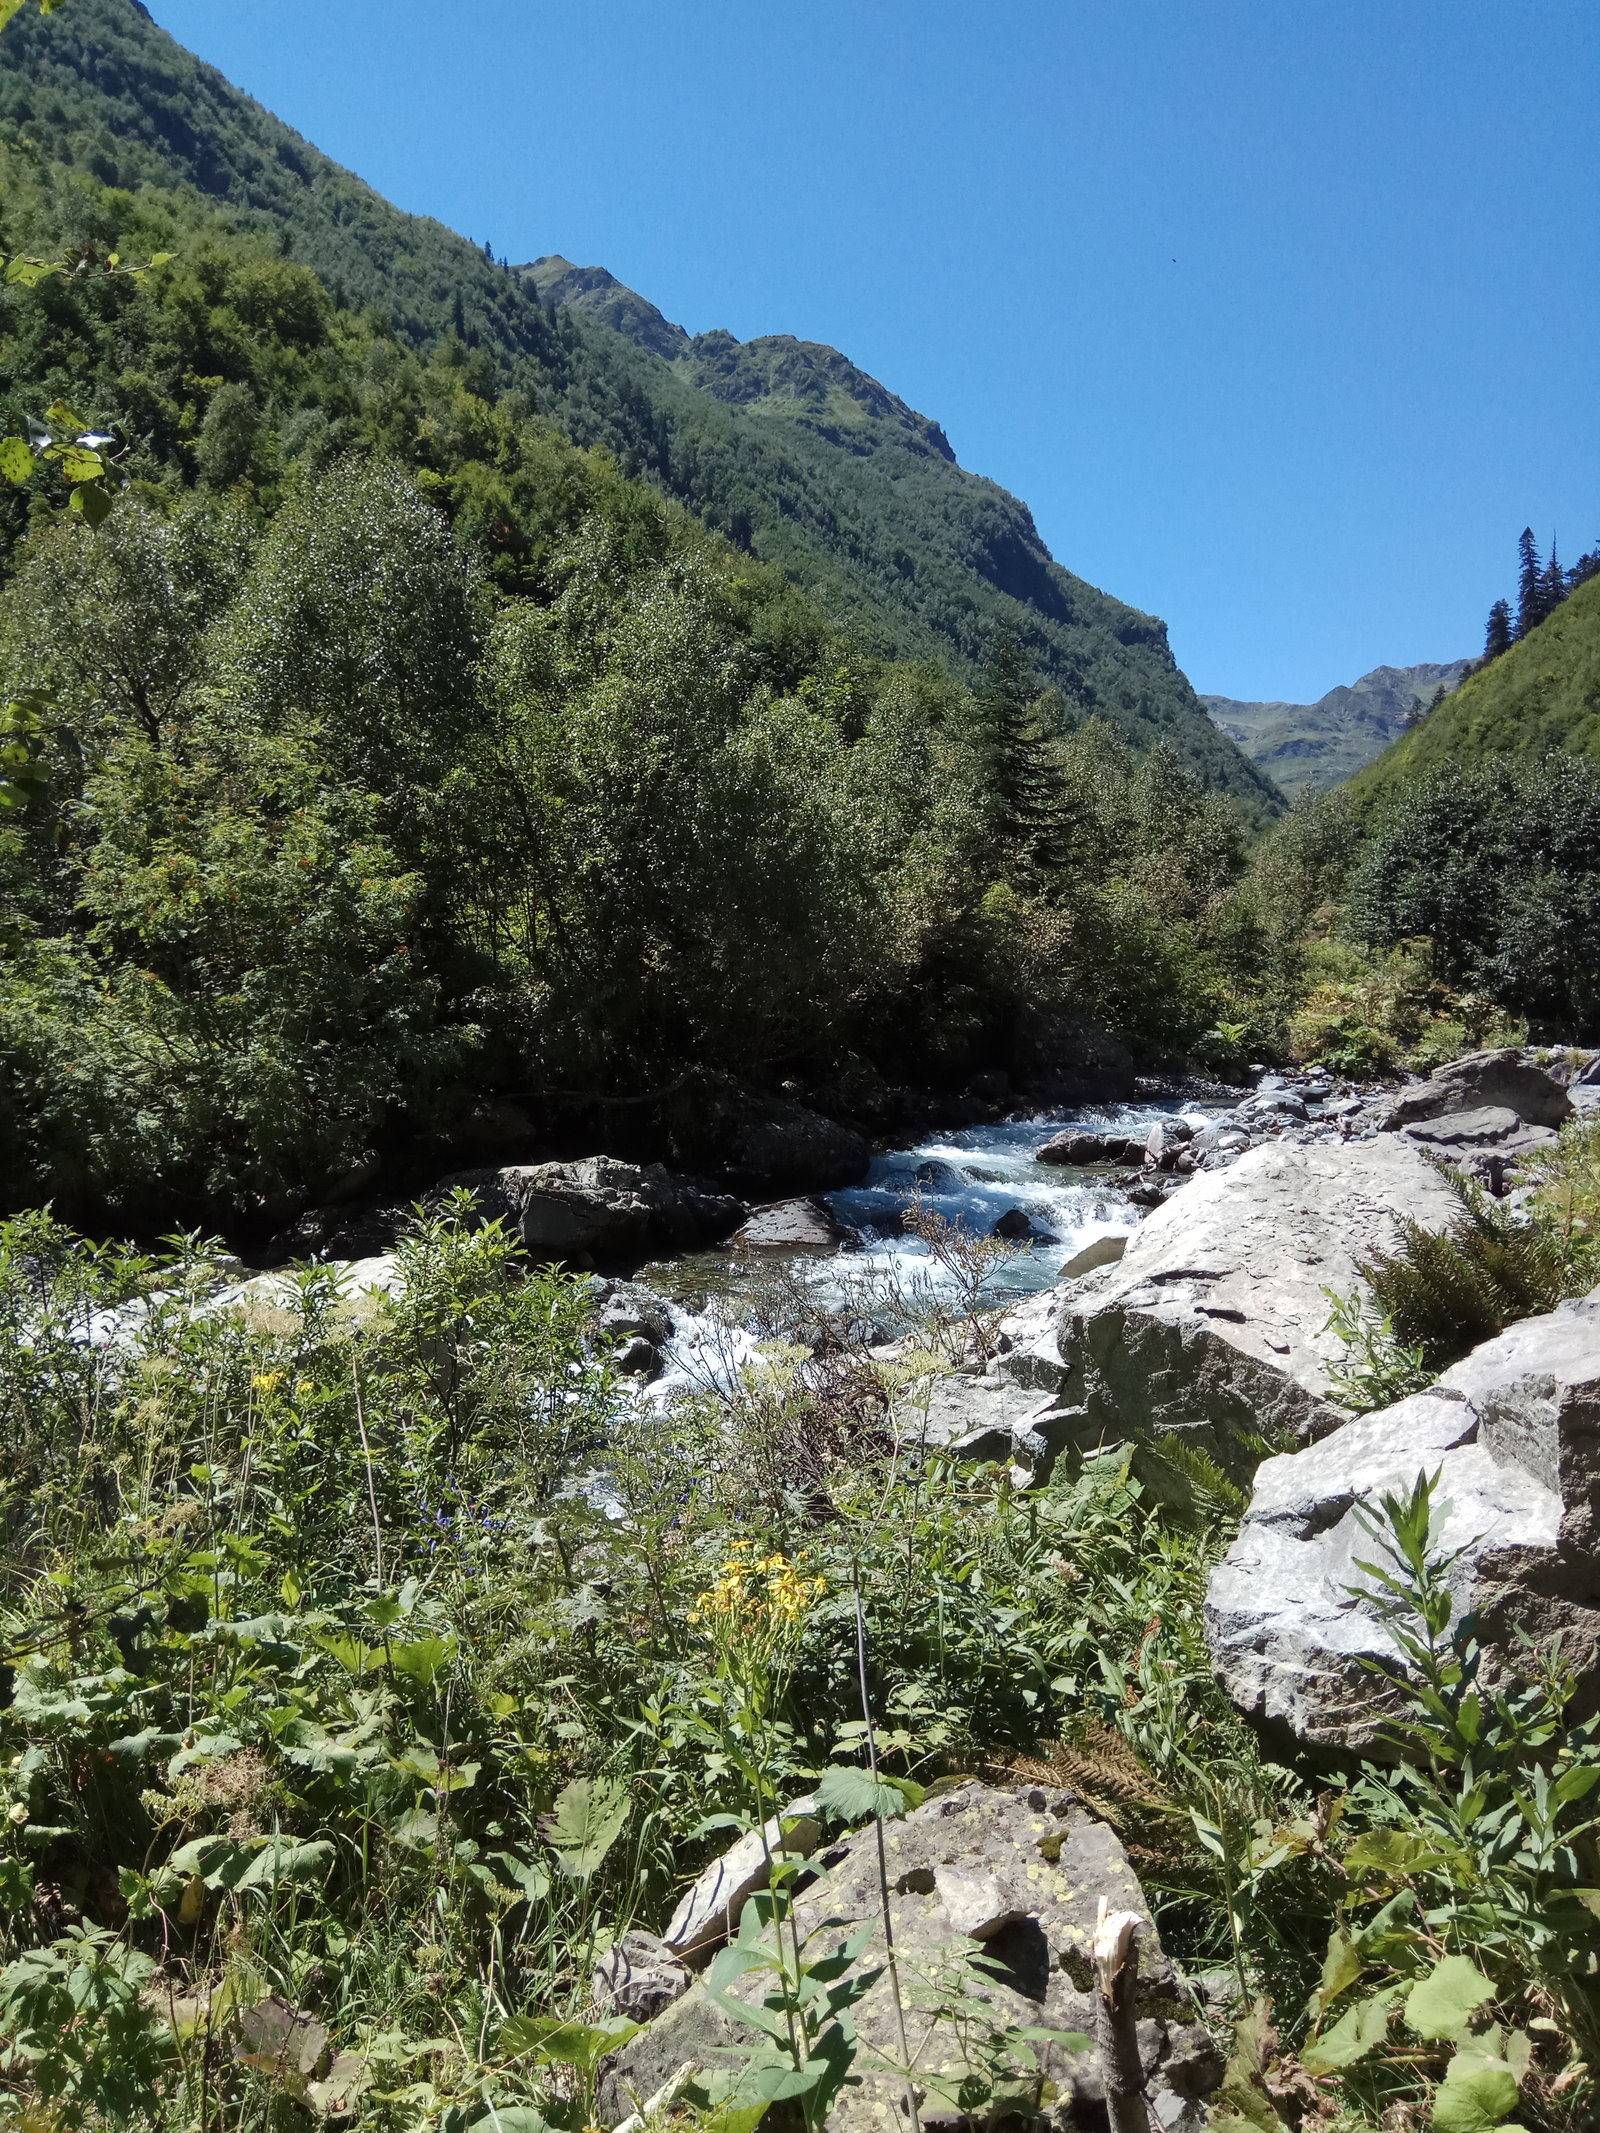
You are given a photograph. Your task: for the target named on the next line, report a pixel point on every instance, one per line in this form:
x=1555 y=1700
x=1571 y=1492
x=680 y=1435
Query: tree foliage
x=1498 y=863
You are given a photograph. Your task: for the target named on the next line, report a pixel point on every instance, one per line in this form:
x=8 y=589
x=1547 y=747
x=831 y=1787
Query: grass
x=370 y=1674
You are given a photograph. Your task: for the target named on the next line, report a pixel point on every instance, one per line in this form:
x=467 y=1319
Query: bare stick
x=883 y=1855
x=1116 y=1967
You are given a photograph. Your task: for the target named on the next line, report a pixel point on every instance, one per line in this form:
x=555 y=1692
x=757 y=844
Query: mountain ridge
x=1541 y=696
x=782 y=445
x=1319 y=745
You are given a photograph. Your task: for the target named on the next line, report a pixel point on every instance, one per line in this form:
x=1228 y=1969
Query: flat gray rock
x=1018 y=1871
x=1505 y=1079
x=1514 y=1434
x=1485 y=1128
x=808 y=1225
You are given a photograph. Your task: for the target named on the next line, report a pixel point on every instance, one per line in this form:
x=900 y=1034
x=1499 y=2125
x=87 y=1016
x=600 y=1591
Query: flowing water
x=972 y=1176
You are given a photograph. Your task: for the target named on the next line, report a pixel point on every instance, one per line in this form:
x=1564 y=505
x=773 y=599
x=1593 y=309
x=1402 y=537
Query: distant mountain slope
x=1321 y=744
x=783 y=445
x=1542 y=694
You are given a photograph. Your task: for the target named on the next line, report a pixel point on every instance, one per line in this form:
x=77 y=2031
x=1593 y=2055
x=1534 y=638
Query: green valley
x=864 y=507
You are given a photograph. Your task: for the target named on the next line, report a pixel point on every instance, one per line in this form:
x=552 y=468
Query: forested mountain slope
x=1543 y=694
x=1317 y=745
x=783 y=445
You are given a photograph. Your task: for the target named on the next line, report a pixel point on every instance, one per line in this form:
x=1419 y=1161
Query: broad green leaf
x=1394 y=1853
x=16 y=1884
x=93 y=503
x=515 y=2118
x=349 y=2077
x=65 y=416
x=218 y=1859
x=16 y=460
x=281 y=1861
x=423 y=1659
x=588 y=1819
x=1442 y=2003
x=79 y=465
x=1475 y=2096
x=28 y=273
x=557 y=2043
x=1355 y=2033
x=1341 y=1967
x=848 y=1794
x=415 y=1828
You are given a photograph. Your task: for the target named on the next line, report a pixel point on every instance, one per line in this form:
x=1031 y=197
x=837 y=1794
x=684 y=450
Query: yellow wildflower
x=266 y=1381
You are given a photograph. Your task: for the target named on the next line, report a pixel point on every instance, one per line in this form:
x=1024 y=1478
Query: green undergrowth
x=1439 y=1293
x=367 y=1675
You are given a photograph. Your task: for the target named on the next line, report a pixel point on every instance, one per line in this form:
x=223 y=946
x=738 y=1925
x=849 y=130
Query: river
x=723 y=1302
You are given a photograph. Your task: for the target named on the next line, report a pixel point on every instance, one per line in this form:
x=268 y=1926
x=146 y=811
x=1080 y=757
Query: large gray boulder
x=599 y=1208
x=1513 y=1432
x=1504 y=1079
x=806 y=1225
x=1020 y=1872
x=1214 y=1321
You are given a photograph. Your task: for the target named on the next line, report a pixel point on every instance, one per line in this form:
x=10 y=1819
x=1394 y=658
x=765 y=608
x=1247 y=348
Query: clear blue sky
x=1281 y=314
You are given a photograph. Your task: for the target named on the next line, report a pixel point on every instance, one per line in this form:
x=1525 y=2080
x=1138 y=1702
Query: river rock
x=1077 y=1146
x=1099 y=1252
x=1513 y=1432
x=808 y=1225
x=628 y=1310
x=1503 y=1079
x=992 y=1419
x=1488 y=1127
x=708 y=1911
x=1014 y=1225
x=599 y=1208
x=1032 y=1869
x=1214 y=1320
x=639 y=1976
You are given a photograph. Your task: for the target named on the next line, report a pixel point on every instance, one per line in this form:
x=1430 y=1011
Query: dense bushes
x=1498 y=863
x=323 y=836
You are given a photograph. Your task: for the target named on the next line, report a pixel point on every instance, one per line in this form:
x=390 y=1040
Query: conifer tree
x=1024 y=787
x=1552 y=584
x=1497 y=638
x=1530 y=584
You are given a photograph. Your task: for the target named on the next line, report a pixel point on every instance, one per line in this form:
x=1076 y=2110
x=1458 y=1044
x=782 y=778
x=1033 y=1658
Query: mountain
x=1321 y=744
x=783 y=445
x=1542 y=695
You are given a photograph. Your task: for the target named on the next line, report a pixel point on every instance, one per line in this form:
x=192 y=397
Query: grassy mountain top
x=1315 y=746
x=774 y=375
x=782 y=445
x=1543 y=694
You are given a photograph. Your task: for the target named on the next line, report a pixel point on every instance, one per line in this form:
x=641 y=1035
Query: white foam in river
x=972 y=1176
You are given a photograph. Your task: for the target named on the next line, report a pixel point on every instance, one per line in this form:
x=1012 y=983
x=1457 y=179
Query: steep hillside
x=783 y=445
x=1543 y=694
x=1321 y=744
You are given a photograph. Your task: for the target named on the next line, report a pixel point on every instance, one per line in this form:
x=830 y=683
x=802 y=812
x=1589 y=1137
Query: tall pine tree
x=1553 y=584
x=1497 y=637
x=1025 y=792
x=1530 y=584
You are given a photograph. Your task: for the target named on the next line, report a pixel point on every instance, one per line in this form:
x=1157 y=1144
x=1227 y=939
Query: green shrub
x=1496 y=864
x=1445 y=1291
